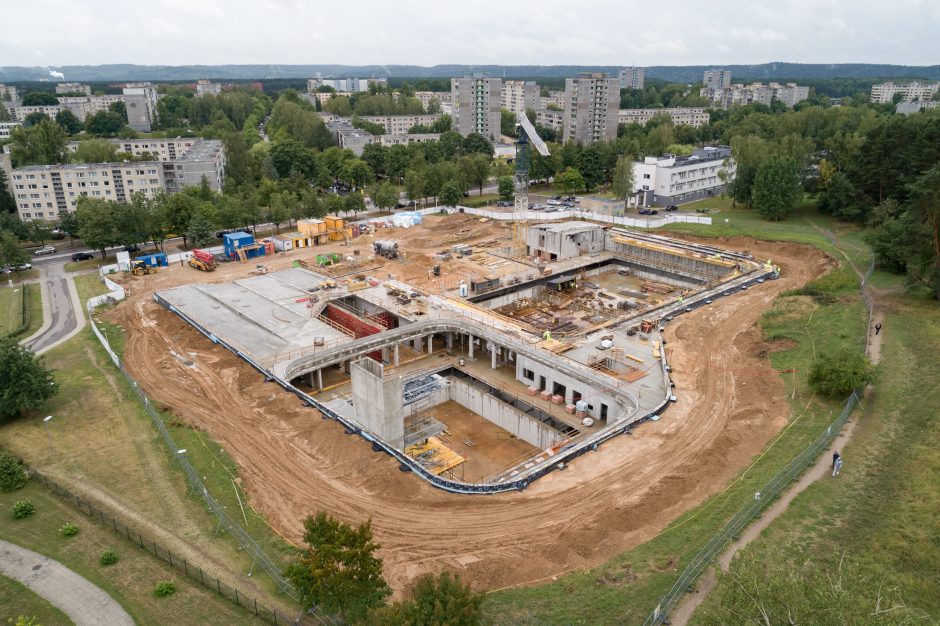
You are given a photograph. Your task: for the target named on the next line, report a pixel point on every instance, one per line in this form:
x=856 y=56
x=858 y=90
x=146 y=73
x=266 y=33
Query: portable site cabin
x=158 y=259
x=299 y=240
x=283 y=243
x=315 y=230
x=241 y=246
x=336 y=227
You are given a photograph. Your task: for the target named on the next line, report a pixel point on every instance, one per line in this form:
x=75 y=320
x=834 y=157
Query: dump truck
x=139 y=268
x=202 y=260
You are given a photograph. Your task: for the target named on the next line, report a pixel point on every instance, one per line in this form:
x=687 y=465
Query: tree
x=777 y=188
x=290 y=155
x=68 y=224
x=96 y=225
x=39 y=231
x=623 y=184
x=39 y=98
x=104 y=124
x=374 y=155
x=415 y=184
x=120 y=108
x=435 y=601
x=396 y=162
x=200 y=229
x=505 y=185
x=42 y=144
x=450 y=193
x=569 y=180
x=69 y=122
x=237 y=159
x=338 y=570
x=591 y=166
x=25 y=383
x=384 y=196
x=475 y=169
x=475 y=143
x=507 y=122
x=34 y=118
x=177 y=212
x=11 y=253
x=7 y=203
x=837 y=375
x=353 y=203
x=357 y=173
x=95 y=151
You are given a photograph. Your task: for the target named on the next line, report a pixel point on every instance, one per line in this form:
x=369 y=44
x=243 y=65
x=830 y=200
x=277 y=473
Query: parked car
x=45 y=250
x=554 y=202
x=22 y=267
x=504 y=203
x=652 y=212
x=556 y=197
x=571 y=199
x=407 y=204
x=672 y=207
x=82 y=256
x=132 y=248
x=644 y=211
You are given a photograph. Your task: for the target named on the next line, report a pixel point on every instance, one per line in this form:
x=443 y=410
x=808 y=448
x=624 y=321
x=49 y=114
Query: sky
x=506 y=32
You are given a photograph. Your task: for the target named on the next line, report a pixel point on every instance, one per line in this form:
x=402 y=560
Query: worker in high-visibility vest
x=547 y=335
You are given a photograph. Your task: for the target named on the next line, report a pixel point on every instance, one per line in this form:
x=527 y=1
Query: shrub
x=837 y=375
x=108 y=557
x=23 y=508
x=12 y=473
x=69 y=529
x=165 y=588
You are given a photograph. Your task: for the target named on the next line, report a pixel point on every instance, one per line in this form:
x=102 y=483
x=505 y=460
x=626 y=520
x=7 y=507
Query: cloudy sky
x=509 y=32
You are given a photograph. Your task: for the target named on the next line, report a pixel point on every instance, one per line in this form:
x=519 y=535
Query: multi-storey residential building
x=394 y=140
x=883 y=93
x=716 y=79
x=476 y=101
x=8 y=97
x=591 y=102
x=158 y=149
x=401 y=124
x=632 y=77
x=520 y=96
x=550 y=119
x=425 y=97
x=47 y=191
x=207 y=87
x=84 y=106
x=141 y=101
x=689 y=116
x=63 y=88
x=345 y=84
x=20 y=113
x=789 y=94
x=904 y=108
x=554 y=99
x=6 y=129
x=356 y=139
x=668 y=179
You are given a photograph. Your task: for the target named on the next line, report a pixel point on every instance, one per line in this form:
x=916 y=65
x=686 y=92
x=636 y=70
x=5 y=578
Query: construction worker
x=547 y=335
x=877 y=328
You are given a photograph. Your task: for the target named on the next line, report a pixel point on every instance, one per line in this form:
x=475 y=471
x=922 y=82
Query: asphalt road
x=58 y=306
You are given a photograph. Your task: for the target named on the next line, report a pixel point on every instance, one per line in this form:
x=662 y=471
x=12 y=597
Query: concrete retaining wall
x=503 y=415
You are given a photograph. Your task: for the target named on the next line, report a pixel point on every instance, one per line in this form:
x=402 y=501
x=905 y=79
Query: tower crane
x=527 y=135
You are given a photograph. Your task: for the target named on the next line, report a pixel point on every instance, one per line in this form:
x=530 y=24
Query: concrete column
x=419 y=345
x=471 y=346
x=310 y=379
x=385 y=354
x=430 y=344
x=493 y=354
x=450 y=341
x=320 y=379
x=396 y=355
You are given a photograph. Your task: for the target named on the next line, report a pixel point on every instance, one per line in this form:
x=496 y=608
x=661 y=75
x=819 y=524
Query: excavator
x=202 y=260
x=139 y=268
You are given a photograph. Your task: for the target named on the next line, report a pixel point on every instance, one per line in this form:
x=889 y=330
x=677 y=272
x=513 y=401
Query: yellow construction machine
x=139 y=268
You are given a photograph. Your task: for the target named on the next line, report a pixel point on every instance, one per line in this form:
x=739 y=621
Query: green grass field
x=11 y=309
x=130 y=581
x=17 y=600
x=78 y=266
x=625 y=590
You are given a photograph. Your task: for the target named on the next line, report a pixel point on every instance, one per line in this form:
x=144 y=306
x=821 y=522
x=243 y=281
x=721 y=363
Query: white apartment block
x=85 y=106
x=141 y=101
x=425 y=97
x=591 y=103
x=159 y=149
x=883 y=93
x=476 y=102
x=400 y=124
x=207 y=87
x=668 y=179
x=519 y=96
x=554 y=98
x=904 y=108
x=344 y=84
x=632 y=77
x=688 y=116
x=47 y=191
x=394 y=140
x=740 y=94
x=20 y=113
x=6 y=129
x=61 y=88
x=716 y=79
x=550 y=119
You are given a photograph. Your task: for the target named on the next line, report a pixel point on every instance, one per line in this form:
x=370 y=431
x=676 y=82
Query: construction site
x=514 y=383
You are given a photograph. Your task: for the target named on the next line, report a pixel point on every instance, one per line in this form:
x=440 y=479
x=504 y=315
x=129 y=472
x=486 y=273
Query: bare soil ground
x=293 y=463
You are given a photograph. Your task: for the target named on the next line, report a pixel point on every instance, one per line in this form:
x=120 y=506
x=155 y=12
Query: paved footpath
x=72 y=594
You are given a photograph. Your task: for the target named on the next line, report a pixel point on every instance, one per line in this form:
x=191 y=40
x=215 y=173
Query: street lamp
x=45 y=425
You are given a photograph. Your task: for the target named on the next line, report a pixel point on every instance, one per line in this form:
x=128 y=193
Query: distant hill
x=680 y=74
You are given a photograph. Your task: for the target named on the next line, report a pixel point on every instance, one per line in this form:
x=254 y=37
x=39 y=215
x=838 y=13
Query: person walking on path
x=836 y=463
x=877 y=328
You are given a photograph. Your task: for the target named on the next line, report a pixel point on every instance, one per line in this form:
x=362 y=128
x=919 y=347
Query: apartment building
x=47 y=191
x=207 y=87
x=550 y=119
x=85 y=106
x=520 y=96
x=20 y=113
x=883 y=93
x=8 y=95
x=591 y=103
x=63 y=88
x=670 y=179
x=345 y=84
x=6 y=129
x=716 y=79
x=401 y=124
x=904 y=108
x=159 y=149
x=141 y=101
x=476 y=101
x=688 y=116
x=632 y=77
x=356 y=139
x=425 y=97
x=759 y=93
x=394 y=140
x=555 y=99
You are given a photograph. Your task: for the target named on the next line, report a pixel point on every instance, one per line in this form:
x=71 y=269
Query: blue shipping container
x=157 y=259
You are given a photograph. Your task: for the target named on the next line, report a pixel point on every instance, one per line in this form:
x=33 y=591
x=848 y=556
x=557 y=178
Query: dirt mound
x=294 y=463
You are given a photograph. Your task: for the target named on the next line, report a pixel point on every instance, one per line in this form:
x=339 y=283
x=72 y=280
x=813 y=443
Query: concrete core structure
x=378 y=401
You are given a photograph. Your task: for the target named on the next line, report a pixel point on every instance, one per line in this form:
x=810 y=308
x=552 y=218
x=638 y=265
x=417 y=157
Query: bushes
x=108 y=557
x=69 y=529
x=837 y=375
x=23 y=509
x=12 y=473
x=164 y=589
